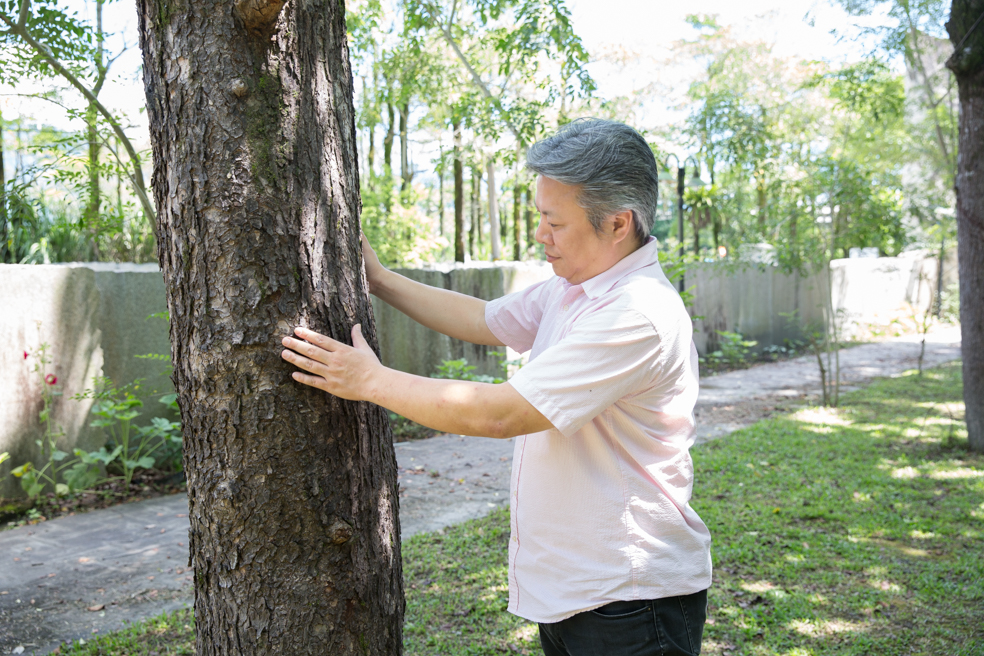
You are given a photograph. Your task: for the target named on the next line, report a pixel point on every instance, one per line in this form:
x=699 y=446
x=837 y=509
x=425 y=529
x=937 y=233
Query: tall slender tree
x=294 y=535
x=967 y=63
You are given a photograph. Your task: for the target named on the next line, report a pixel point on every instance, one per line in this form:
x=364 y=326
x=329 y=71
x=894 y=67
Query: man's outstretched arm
x=451 y=406
x=450 y=313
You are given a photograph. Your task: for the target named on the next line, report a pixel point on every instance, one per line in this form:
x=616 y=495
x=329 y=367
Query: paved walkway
x=72 y=577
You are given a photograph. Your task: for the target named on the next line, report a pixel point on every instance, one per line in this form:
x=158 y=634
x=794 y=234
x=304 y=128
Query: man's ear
x=623 y=225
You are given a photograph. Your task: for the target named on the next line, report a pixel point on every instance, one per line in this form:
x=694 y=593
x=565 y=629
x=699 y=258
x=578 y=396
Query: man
x=605 y=552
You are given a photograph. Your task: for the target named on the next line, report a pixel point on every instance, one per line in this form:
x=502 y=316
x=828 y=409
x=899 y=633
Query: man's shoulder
x=648 y=293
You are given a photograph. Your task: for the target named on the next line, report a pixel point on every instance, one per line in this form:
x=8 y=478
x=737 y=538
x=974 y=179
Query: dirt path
x=75 y=576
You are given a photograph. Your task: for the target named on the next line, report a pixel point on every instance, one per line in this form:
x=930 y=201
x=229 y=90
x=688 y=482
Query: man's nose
x=541 y=232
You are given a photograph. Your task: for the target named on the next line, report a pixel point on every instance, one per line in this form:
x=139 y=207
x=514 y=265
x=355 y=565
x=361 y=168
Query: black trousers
x=672 y=626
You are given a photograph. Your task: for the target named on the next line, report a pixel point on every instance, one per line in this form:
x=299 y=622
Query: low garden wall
x=97 y=318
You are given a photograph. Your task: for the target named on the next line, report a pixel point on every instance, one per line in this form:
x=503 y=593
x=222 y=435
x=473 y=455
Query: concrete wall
x=94 y=318
x=408 y=346
x=752 y=300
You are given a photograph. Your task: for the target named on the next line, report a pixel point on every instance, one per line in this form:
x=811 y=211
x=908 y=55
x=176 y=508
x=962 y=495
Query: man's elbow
x=514 y=424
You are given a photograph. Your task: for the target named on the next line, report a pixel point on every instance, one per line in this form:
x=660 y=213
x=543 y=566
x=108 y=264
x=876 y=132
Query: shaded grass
x=170 y=634
x=854 y=530
x=844 y=531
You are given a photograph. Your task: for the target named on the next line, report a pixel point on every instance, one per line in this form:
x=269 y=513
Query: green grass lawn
x=855 y=530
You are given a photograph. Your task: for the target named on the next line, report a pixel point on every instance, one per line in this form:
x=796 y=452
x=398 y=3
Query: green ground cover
x=855 y=530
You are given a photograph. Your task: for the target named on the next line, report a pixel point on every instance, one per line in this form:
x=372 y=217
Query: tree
x=967 y=64
x=49 y=42
x=294 y=537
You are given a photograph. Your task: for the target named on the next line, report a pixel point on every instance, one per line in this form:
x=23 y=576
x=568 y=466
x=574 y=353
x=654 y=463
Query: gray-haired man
x=605 y=552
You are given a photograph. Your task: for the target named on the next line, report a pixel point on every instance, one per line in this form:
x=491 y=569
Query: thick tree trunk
x=967 y=63
x=294 y=538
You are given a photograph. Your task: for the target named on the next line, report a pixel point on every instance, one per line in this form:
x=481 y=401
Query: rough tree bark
x=295 y=539
x=966 y=30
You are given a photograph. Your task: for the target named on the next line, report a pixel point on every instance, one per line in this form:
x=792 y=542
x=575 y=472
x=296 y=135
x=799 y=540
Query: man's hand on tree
x=336 y=368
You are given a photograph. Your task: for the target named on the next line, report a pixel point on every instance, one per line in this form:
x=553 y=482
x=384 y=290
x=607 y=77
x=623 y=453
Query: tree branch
x=48 y=56
x=476 y=78
x=25 y=10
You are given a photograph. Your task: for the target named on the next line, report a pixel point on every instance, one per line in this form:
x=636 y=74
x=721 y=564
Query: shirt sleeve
x=603 y=359
x=515 y=318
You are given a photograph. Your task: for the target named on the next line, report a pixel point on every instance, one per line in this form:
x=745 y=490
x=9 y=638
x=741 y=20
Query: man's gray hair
x=610 y=163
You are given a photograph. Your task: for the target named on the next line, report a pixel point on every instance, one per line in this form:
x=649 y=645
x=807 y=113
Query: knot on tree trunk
x=340 y=532
x=259 y=16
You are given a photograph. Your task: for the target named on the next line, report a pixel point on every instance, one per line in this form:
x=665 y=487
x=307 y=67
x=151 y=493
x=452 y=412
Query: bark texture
x=295 y=539
x=967 y=64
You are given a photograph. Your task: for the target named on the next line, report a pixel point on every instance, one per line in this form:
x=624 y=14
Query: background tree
x=967 y=64
x=294 y=535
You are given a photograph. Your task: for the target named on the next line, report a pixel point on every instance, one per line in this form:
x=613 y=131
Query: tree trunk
x=967 y=64
x=440 y=192
x=294 y=538
x=371 y=130
x=5 y=254
x=473 y=213
x=94 y=201
x=493 y=214
x=530 y=225
x=405 y=171
x=388 y=140
x=477 y=171
x=459 y=196
x=517 y=226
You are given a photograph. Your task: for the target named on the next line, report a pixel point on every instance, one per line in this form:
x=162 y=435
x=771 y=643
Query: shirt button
x=566 y=308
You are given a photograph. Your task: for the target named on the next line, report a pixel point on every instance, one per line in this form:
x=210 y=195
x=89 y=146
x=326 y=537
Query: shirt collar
x=646 y=255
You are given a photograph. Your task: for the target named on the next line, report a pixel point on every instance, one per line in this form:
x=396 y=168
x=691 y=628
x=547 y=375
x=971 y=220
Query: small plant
x=34 y=480
x=461 y=370
x=133 y=447
x=733 y=351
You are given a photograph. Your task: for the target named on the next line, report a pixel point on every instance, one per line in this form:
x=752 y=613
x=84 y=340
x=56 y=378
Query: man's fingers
x=358 y=341
x=308 y=379
x=304 y=363
x=325 y=342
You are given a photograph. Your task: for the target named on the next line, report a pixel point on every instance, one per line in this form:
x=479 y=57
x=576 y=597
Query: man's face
x=575 y=250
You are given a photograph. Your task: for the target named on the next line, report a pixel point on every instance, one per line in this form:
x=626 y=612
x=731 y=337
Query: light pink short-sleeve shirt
x=600 y=506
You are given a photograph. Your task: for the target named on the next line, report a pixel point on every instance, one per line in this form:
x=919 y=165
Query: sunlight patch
x=905 y=473
x=825 y=628
x=921 y=535
x=959 y=473
x=758 y=586
x=821 y=416
x=884 y=586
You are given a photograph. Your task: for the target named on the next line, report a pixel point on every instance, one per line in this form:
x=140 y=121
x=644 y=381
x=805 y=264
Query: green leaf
x=61 y=489
x=22 y=470
x=146 y=462
x=58 y=456
x=4 y=457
